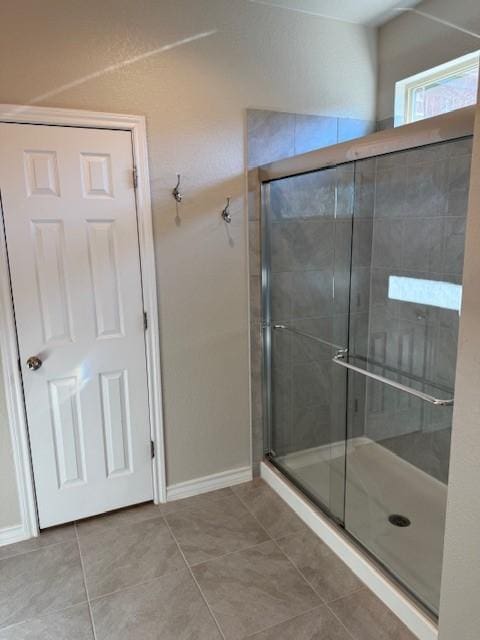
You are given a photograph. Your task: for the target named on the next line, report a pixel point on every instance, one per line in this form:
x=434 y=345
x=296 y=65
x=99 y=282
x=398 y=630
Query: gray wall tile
x=426 y=189
x=255 y=294
x=299 y=246
x=306 y=196
x=453 y=245
x=350 y=128
x=254 y=247
x=271 y=136
x=314 y=132
x=387 y=243
x=386 y=123
x=422 y=244
x=400 y=203
x=390 y=189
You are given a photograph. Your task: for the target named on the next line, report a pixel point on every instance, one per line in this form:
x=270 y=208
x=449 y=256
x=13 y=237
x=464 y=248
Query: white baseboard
x=419 y=624
x=220 y=480
x=9 y=535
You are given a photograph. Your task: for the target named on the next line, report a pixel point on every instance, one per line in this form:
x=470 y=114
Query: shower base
x=380 y=484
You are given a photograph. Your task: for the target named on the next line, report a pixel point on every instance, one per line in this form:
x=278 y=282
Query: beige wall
x=194 y=97
x=412 y=43
x=459 y=610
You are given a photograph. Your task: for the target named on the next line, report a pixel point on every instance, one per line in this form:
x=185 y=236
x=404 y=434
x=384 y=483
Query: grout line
x=195 y=581
x=39 y=548
x=272 y=539
x=141 y=582
x=41 y=616
x=272 y=626
x=85 y=582
x=340 y=621
x=230 y=553
x=363 y=587
x=136 y=584
x=254 y=516
x=322 y=601
x=295 y=115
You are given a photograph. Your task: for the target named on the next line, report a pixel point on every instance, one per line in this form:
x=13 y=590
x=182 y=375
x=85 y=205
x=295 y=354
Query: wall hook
x=176 y=192
x=226 y=212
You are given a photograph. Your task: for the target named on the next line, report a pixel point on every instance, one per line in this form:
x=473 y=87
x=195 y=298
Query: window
x=449 y=86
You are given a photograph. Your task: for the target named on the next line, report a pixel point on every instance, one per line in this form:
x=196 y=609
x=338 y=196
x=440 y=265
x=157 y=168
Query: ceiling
x=368 y=12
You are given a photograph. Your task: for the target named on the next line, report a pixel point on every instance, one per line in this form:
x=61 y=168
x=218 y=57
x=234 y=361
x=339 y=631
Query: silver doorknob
x=34 y=363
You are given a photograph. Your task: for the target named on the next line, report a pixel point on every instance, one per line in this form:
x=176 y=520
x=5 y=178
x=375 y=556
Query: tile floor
x=232 y=564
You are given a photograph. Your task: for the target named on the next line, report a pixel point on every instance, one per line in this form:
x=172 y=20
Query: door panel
x=70 y=220
x=413 y=204
x=307 y=232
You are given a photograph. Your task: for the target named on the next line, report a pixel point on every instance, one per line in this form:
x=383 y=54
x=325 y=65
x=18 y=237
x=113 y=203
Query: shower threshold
x=380 y=484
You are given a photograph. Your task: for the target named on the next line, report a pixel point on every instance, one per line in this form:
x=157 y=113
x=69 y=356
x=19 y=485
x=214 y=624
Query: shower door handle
x=439 y=402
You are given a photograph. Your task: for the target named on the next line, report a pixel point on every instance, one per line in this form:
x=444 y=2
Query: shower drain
x=398 y=520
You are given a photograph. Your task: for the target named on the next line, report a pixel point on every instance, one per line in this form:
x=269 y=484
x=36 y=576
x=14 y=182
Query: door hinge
x=145 y=320
x=135 y=177
x=152 y=448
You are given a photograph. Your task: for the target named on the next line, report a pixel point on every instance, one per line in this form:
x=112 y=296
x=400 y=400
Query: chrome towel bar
x=309 y=335
x=340 y=360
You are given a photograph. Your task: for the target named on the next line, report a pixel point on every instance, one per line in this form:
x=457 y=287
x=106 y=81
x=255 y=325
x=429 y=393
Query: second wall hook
x=176 y=191
x=226 y=212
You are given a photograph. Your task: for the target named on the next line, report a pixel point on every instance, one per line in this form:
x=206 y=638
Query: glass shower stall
x=361 y=283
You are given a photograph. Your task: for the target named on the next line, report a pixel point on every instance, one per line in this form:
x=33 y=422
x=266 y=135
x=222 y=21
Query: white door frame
x=8 y=336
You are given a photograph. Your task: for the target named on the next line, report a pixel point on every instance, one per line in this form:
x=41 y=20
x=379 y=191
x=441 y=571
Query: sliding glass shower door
x=307 y=245
x=410 y=207
x=362 y=280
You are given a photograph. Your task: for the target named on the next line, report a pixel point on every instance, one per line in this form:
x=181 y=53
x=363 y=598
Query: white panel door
x=69 y=209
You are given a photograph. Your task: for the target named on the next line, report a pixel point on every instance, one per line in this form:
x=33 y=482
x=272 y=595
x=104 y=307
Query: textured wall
x=194 y=97
x=459 y=610
x=412 y=43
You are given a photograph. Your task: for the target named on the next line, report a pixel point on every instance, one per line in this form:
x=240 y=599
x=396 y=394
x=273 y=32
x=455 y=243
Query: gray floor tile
x=329 y=576
x=253 y=589
x=70 y=624
x=195 y=501
x=213 y=529
x=117 y=554
x=39 y=582
x=169 y=608
x=131 y=515
x=319 y=624
x=47 y=537
x=270 y=510
x=367 y=618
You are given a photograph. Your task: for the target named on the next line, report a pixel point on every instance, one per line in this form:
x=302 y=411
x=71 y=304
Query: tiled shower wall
x=271 y=136
x=412 y=205
x=409 y=221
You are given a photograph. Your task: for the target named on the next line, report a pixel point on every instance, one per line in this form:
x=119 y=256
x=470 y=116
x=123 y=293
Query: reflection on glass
x=309 y=233
x=446 y=94
x=435 y=293
x=369 y=256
